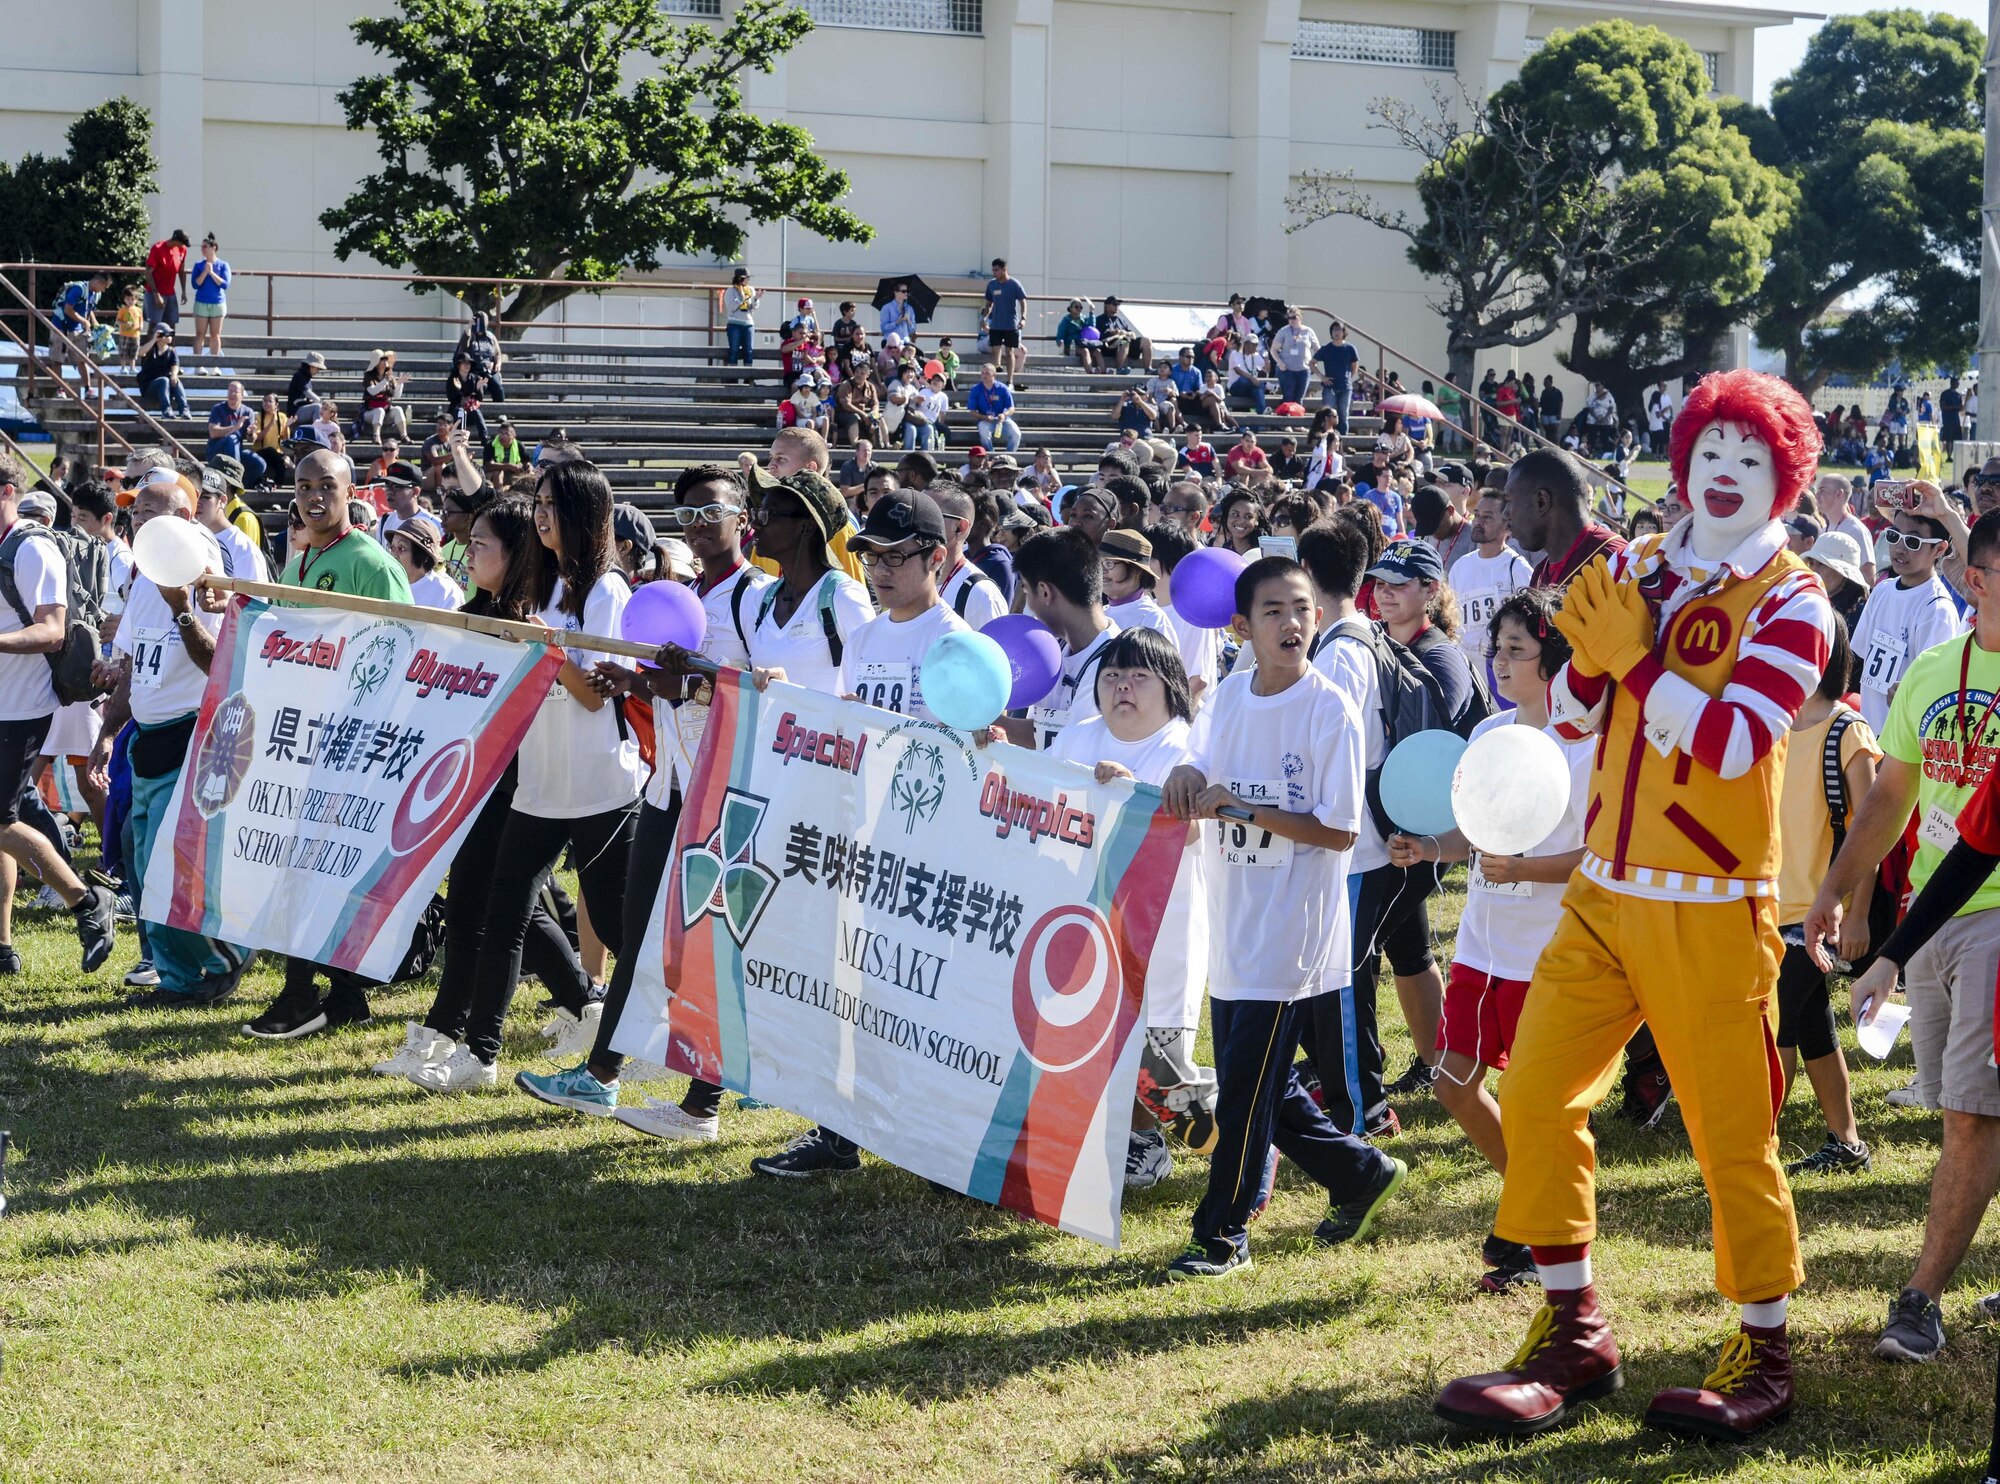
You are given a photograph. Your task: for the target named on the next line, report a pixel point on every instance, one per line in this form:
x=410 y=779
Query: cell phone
x=1896 y=492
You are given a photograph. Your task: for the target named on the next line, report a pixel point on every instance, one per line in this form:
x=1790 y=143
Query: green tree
x=1881 y=129
x=575 y=138
x=87 y=205
x=1603 y=173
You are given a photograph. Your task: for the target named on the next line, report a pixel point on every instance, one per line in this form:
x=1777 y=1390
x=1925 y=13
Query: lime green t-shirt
x=357 y=563
x=1923 y=731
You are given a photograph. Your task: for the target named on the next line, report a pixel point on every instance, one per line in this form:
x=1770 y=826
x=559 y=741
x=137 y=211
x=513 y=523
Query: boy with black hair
x=1277 y=750
x=1905 y=617
x=1059 y=574
x=1133 y=498
x=973 y=595
x=1115 y=462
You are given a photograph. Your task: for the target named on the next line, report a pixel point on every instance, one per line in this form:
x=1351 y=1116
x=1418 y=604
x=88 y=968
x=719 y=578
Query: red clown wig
x=1780 y=416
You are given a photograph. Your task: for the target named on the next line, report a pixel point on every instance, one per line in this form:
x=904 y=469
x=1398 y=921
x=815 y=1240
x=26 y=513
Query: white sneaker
x=666 y=1120
x=142 y=975
x=576 y=1038
x=421 y=1046
x=1907 y=1096
x=636 y=1071
x=1147 y=1160
x=459 y=1072
x=558 y=1025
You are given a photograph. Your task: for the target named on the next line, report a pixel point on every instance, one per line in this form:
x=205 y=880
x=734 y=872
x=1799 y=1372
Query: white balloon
x=1510 y=789
x=169 y=551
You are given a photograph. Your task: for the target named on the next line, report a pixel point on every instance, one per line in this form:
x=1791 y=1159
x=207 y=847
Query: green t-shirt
x=356 y=563
x=1922 y=730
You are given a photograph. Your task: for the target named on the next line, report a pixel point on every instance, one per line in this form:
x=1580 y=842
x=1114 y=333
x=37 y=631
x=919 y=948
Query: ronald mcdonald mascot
x=1694 y=651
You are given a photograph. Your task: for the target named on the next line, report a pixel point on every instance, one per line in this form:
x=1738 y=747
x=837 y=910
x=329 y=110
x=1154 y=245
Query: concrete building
x=1142 y=149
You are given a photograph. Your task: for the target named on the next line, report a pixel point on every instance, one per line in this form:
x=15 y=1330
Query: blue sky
x=1780 y=48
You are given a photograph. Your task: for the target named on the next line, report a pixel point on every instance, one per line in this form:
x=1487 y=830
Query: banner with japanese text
x=337 y=761
x=936 y=950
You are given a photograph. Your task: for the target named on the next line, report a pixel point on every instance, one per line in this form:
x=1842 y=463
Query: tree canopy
x=578 y=139
x=1880 y=127
x=1603 y=177
x=89 y=204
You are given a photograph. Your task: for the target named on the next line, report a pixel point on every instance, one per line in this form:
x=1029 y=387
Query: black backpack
x=87 y=573
x=1412 y=700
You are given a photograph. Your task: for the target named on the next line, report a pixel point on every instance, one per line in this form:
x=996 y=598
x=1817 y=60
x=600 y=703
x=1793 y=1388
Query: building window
x=1388 y=46
x=700 y=9
x=952 y=17
x=1711 y=63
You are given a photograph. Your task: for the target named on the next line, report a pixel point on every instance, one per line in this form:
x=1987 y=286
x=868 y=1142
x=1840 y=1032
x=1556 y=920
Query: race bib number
x=1247 y=845
x=1939 y=829
x=1883 y=664
x=1478 y=610
x=888 y=687
x=149 y=656
x=1476 y=881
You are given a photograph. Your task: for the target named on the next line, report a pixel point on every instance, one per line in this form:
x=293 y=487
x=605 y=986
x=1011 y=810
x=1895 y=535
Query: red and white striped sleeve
x=1577 y=698
x=1778 y=664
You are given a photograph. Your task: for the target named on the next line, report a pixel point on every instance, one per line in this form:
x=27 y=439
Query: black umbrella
x=1271 y=311
x=923 y=298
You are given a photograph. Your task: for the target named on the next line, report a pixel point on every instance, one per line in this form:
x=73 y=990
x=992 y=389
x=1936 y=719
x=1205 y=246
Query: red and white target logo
x=1067 y=987
x=433 y=798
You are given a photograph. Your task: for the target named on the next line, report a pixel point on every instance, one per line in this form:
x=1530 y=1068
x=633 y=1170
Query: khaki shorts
x=1950 y=985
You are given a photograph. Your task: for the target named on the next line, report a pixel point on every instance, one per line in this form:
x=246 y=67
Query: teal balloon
x=966 y=679
x=1416 y=781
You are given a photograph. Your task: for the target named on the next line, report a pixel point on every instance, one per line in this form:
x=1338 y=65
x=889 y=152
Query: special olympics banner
x=937 y=950
x=337 y=761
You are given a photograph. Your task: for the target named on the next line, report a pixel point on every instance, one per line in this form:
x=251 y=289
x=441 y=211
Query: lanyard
x=1965 y=738
x=306 y=561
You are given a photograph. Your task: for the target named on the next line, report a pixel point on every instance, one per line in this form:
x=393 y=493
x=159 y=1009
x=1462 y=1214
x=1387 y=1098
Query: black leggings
x=528 y=846
x=545 y=951
x=1805 y=1014
x=652 y=850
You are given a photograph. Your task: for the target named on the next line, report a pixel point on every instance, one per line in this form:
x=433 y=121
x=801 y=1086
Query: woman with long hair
x=381 y=384
x=1238 y=521
x=580 y=775
x=503 y=556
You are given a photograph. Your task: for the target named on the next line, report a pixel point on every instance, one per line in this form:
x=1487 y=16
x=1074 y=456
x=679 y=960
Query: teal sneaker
x=574 y=1088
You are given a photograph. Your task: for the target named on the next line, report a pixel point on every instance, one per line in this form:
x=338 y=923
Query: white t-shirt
x=241 y=556
x=27 y=689
x=574 y=761
x=435 y=589
x=884 y=662
x=1178 y=969
x=799 y=647
x=729 y=610
x=972 y=595
x=1074 y=698
x=1505 y=927
x=1482 y=584
x=122 y=565
x=1143 y=612
x=1279 y=924
x=1897 y=624
x=1351 y=666
x=166 y=684
x=1201 y=652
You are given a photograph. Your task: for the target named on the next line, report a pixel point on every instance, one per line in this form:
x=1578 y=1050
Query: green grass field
x=227 y=1261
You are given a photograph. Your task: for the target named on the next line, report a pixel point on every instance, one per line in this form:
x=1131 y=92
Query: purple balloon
x=1032 y=654
x=1204 y=586
x=665 y=613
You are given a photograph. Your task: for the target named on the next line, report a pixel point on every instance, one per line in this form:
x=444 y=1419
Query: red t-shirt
x=1591 y=543
x=163 y=266
x=1243 y=458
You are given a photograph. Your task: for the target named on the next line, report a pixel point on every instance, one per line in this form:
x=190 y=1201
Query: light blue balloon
x=1416 y=780
x=966 y=679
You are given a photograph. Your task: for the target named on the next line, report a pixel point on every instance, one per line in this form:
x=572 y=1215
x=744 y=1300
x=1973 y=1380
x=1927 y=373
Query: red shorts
x=1480 y=1013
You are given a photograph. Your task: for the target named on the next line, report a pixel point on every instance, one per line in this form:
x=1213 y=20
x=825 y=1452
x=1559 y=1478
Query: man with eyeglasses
x=1186 y=506
x=1905 y=616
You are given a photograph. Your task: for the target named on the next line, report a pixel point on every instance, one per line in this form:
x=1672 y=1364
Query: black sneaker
x=287 y=1022
x=1352 y=1220
x=1416 y=1080
x=96 y=926
x=1508 y=1265
x=1496 y=1250
x=1834 y=1157
x=215 y=988
x=10 y=960
x=1194 y=1128
x=1915 y=1331
x=1197 y=1262
x=1646 y=1097
x=345 y=1010
x=814 y=1152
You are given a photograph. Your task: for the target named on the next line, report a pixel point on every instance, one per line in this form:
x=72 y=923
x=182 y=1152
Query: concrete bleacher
x=641 y=412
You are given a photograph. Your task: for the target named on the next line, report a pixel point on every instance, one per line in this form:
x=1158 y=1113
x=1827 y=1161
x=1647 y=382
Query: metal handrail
x=22 y=454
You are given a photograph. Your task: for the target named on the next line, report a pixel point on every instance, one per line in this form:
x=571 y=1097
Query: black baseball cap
x=898 y=516
x=1453 y=473
x=402 y=472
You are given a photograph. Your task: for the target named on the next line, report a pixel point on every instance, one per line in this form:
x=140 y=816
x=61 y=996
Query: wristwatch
x=185 y=620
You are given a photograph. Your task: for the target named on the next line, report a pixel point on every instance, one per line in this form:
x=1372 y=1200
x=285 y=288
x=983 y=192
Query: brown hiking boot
x=1749 y=1389
x=1569 y=1356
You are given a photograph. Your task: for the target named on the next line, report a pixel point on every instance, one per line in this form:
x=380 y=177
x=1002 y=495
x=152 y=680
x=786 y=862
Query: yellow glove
x=1575 y=620
x=1621 y=626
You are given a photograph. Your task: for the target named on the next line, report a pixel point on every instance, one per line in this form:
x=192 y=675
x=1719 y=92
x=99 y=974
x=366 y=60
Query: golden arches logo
x=1704 y=635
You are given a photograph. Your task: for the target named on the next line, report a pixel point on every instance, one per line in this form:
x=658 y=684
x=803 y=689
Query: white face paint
x=1732 y=482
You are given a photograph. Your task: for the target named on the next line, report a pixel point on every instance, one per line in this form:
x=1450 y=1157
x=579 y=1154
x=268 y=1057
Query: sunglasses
x=703 y=515
x=1909 y=542
x=765 y=514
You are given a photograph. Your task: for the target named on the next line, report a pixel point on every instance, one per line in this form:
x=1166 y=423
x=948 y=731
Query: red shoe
x=1569 y=1356
x=1749 y=1389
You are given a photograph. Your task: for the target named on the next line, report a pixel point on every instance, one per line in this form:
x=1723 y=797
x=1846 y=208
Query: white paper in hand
x=1878 y=1036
